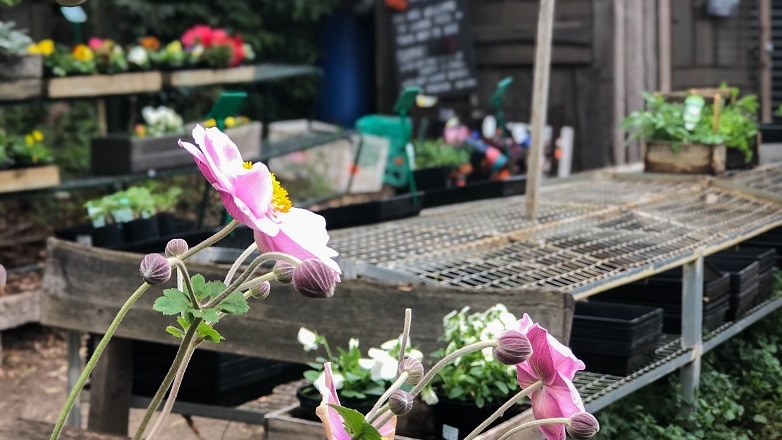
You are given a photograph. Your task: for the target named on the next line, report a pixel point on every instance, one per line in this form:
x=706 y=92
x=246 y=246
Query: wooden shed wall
x=709 y=50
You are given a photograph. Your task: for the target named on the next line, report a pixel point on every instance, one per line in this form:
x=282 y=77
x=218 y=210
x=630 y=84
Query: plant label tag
x=450 y=432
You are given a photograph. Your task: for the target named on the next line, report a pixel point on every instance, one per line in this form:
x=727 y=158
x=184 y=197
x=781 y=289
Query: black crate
x=743 y=273
x=714 y=314
x=617 y=364
x=665 y=289
x=376 y=211
x=766 y=257
x=741 y=303
x=625 y=326
x=212 y=377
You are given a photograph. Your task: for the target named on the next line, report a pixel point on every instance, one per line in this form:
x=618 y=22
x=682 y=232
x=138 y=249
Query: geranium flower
x=197 y=34
x=555 y=365
x=254 y=197
x=332 y=422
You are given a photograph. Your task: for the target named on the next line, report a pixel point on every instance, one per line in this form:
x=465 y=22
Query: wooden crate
x=689 y=159
x=103 y=85
x=201 y=77
x=121 y=154
x=20 y=77
x=23 y=179
x=282 y=425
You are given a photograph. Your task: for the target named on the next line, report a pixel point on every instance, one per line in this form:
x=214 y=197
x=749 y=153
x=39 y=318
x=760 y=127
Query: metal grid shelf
x=577 y=247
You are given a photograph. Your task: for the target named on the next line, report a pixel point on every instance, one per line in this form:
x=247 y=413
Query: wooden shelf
x=102 y=85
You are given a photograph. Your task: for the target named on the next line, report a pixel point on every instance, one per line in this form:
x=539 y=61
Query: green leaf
x=206 y=331
x=235 y=304
x=177 y=333
x=209 y=315
x=760 y=418
x=172 y=302
x=355 y=425
x=183 y=321
x=198 y=282
x=212 y=289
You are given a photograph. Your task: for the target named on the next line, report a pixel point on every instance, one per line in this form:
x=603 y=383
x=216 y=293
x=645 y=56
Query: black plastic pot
x=142 y=229
x=454 y=419
x=167 y=224
x=742 y=302
x=743 y=273
x=765 y=286
x=309 y=398
x=515 y=185
x=665 y=289
x=432 y=178
x=108 y=236
x=766 y=257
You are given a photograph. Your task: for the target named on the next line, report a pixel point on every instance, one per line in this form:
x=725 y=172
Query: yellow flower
x=29 y=140
x=174 y=46
x=230 y=121
x=209 y=123
x=83 y=53
x=37 y=135
x=44 y=47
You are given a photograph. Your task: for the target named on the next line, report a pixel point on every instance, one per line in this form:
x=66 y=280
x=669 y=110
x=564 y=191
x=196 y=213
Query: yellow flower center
x=247 y=165
x=280 y=200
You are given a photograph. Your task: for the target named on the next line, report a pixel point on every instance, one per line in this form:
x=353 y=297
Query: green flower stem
x=219 y=235
x=374 y=413
x=405 y=336
x=532 y=424
x=501 y=410
x=281 y=256
x=234 y=286
x=184 y=275
x=94 y=359
x=234 y=267
x=480 y=345
x=161 y=391
x=178 y=376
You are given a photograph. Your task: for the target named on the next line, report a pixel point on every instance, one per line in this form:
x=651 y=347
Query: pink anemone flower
x=555 y=365
x=254 y=197
x=333 y=424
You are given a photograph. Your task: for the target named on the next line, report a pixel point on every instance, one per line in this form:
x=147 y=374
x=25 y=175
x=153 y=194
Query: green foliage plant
x=13 y=41
x=476 y=377
x=433 y=153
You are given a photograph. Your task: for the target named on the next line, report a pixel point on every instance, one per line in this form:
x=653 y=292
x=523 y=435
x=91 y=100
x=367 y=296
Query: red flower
x=198 y=34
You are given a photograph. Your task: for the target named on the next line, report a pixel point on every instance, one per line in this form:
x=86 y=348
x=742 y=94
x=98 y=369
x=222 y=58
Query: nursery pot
x=109 y=235
x=309 y=399
x=142 y=229
x=166 y=223
x=454 y=419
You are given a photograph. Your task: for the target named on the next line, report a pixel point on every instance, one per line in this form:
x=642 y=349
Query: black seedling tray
x=769 y=240
x=743 y=273
x=766 y=257
x=514 y=185
x=400 y=206
x=765 y=286
x=625 y=325
x=665 y=290
x=742 y=302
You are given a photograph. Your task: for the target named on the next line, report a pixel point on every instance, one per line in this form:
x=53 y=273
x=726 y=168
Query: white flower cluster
x=162 y=120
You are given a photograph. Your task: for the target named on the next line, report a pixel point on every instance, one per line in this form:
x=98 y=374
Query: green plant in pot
x=686 y=128
x=25 y=151
x=476 y=384
x=435 y=161
x=359 y=380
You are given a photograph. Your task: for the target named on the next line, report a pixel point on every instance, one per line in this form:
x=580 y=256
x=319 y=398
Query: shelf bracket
x=692 y=330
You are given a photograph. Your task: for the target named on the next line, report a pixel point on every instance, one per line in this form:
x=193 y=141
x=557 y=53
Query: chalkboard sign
x=433 y=47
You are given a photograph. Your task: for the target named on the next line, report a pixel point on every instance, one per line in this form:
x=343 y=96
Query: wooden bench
x=84 y=287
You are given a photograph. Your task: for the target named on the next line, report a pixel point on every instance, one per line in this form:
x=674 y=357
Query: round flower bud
x=176 y=247
x=414 y=369
x=582 y=426
x=314 y=279
x=155 y=269
x=283 y=272
x=512 y=348
x=400 y=402
x=261 y=290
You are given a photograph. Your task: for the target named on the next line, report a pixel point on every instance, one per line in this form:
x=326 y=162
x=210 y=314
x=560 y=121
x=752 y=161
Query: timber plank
x=19 y=309
x=20 y=89
x=22 y=179
x=682 y=31
x=201 y=77
x=75 y=298
x=103 y=85
x=524 y=54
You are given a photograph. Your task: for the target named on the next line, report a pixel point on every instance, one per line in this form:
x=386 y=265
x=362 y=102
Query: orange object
x=354 y=169
x=397 y=5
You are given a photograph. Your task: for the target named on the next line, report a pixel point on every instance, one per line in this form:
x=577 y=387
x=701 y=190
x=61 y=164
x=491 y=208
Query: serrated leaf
x=209 y=315
x=355 y=424
x=235 y=304
x=206 y=331
x=212 y=289
x=198 y=282
x=176 y=332
x=172 y=302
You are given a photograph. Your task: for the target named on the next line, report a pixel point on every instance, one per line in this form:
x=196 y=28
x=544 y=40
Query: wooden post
x=764 y=15
x=664 y=44
x=539 y=105
x=634 y=67
x=620 y=156
x=111 y=387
